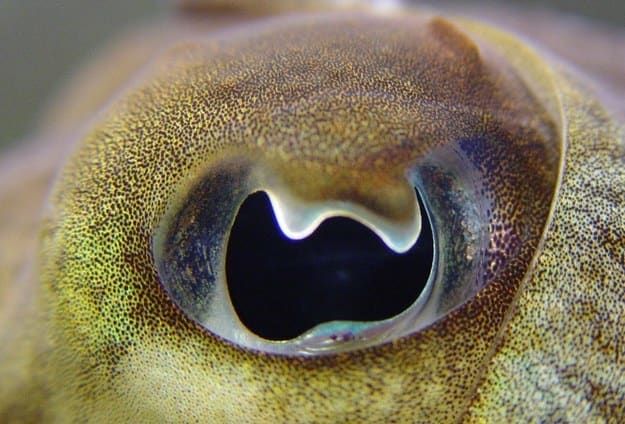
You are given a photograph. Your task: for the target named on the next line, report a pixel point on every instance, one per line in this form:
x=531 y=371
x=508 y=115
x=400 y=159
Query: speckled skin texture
x=101 y=341
x=561 y=355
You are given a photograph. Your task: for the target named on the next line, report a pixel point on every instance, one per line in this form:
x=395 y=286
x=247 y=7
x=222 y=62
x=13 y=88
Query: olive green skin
x=92 y=335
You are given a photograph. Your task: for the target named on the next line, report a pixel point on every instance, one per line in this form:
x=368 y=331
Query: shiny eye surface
x=336 y=286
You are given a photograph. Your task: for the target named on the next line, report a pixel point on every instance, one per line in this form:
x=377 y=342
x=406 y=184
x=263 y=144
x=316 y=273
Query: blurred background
x=43 y=41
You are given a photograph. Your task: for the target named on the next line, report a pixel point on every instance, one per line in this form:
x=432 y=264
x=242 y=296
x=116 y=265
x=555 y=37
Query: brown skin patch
x=383 y=93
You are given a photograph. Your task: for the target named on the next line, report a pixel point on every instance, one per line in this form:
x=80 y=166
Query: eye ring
x=180 y=262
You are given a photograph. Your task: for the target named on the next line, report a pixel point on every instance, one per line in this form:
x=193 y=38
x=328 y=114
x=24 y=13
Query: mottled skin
x=93 y=336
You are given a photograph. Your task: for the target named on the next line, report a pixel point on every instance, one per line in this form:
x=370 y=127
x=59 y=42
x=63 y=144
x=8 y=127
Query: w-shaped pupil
x=280 y=288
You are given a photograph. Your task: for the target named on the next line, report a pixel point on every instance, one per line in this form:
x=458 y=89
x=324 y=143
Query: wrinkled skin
x=88 y=333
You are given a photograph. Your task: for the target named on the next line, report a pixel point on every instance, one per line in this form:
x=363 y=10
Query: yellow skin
x=92 y=335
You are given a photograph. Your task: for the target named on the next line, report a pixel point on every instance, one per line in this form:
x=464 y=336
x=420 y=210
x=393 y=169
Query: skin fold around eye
x=517 y=164
x=366 y=176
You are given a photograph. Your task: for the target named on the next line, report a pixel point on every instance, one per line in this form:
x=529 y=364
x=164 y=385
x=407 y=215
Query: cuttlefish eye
x=361 y=215
x=374 y=175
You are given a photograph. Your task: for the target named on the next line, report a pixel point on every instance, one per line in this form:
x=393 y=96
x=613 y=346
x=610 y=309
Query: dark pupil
x=281 y=288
